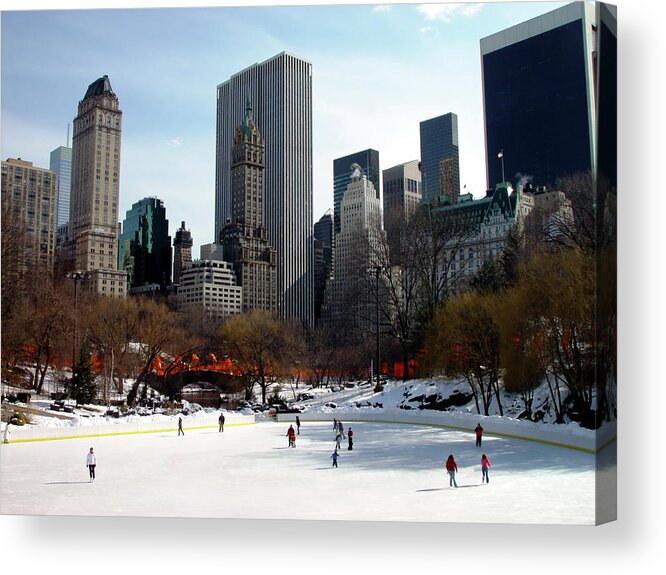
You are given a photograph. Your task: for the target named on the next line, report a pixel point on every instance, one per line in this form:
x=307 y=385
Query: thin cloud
x=447 y=12
x=176 y=142
x=382 y=8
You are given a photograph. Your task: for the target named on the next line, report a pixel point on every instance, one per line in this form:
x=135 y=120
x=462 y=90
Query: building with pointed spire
x=280 y=89
x=356 y=250
x=245 y=238
x=368 y=160
x=93 y=211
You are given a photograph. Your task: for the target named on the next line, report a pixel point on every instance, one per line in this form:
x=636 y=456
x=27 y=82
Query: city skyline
x=372 y=65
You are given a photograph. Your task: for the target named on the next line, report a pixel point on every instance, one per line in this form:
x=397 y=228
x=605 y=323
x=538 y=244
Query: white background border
x=631 y=544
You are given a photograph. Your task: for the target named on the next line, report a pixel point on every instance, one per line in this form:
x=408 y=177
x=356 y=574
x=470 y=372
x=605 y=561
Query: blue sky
x=378 y=70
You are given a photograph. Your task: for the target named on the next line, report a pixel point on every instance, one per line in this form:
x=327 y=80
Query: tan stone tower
x=94 y=199
x=245 y=237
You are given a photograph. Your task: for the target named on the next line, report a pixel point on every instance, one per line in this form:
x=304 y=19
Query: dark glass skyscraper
x=182 y=251
x=369 y=162
x=145 y=244
x=538 y=91
x=439 y=141
x=323 y=258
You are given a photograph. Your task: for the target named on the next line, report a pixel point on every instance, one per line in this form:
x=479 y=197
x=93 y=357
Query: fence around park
x=26 y=433
x=567 y=435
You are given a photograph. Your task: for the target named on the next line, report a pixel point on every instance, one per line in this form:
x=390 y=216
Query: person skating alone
x=180 y=426
x=221 y=421
x=334 y=457
x=298 y=425
x=451 y=469
x=91 y=463
x=350 y=438
x=291 y=434
x=479 y=434
x=485 y=464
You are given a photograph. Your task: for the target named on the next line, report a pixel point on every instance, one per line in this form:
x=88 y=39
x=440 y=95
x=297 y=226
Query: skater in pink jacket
x=485 y=464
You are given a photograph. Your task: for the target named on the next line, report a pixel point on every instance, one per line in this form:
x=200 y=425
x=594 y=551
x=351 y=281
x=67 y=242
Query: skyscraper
x=439 y=141
x=323 y=250
x=356 y=252
x=93 y=210
x=402 y=188
x=244 y=239
x=29 y=194
x=538 y=95
x=61 y=163
x=280 y=90
x=368 y=160
x=145 y=245
x=402 y=195
x=182 y=251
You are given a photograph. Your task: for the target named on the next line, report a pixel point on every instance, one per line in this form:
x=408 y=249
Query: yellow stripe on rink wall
x=113 y=434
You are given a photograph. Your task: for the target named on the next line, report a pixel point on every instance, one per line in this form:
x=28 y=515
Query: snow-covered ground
x=395 y=472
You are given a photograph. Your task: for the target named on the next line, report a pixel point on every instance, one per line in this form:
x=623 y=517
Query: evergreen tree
x=82 y=386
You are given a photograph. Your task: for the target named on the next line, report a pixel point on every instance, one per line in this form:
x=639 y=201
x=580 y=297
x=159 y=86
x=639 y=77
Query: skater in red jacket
x=291 y=434
x=451 y=469
x=479 y=434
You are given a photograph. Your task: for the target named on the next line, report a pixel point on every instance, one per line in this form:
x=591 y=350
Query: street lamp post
x=77 y=276
x=378 y=270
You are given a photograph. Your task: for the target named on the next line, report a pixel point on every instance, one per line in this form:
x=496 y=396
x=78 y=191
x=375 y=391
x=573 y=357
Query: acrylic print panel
x=459 y=299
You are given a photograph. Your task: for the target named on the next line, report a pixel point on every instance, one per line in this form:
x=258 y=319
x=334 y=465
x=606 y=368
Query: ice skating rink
x=394 y=473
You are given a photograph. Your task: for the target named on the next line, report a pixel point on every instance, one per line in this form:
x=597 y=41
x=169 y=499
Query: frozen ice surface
x=394 y=473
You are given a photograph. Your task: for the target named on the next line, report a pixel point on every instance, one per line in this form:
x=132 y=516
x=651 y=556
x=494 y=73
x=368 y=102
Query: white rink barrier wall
x=570 y=435
x=122 y=427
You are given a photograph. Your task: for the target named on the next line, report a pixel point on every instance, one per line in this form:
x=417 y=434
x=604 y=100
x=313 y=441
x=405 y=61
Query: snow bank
x=121 y=426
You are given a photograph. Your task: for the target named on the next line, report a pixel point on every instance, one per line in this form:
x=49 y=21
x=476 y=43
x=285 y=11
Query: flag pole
x=501 y=157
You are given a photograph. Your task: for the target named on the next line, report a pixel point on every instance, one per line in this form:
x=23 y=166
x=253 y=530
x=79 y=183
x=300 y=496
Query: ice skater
x=350 y=438
x=298 y=425
x=451 y=469
x=338 y=439
x=180 y=426
x=479 y=434
x=485 y=464
x=291 y=434
x=334 y=457
x=221 y=421
x=91 y=463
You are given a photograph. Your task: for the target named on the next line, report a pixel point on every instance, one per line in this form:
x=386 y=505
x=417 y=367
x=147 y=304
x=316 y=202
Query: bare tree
x=255 y=342
x=44 y=318
x=158 y=330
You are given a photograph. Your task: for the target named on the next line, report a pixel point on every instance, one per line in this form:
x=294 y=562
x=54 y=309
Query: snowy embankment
x=47 y=428
x=406 y=403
